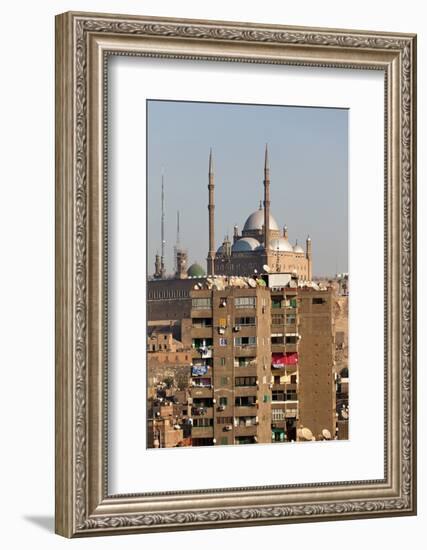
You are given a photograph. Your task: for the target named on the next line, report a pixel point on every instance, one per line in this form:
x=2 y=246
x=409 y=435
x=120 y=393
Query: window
x=202 y=322
x=246 y=321
x=201 y=303
x=266 y=398
x=223 y=441
x=222 y=401
x=245 y=362
x=223 y=342
x=201 y=342
x=245 y=341
x=277 y=340
x=201 y=403
x=245 y=401
x=202 y=422
x=246 y=421
x=278 y=395
x=276 y=303
x=291 y=319
x=291 y=395
x=224 y=420
x=245 y=302
x=291 y=339
x=225 y=380
x=222 y=361
x=293 y=378
x=277 y=319
x=319 y=301
x=277 y=379
x=244 y=440
x=245 y=381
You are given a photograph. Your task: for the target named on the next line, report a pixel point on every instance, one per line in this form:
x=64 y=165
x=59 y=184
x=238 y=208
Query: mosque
x=258 y=244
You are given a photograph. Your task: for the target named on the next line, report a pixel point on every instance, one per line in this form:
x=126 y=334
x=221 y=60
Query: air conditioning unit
x=228 y=428
x=237 y=328
x=221 y=408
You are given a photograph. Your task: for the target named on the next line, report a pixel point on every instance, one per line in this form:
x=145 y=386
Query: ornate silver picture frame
x=84 y=43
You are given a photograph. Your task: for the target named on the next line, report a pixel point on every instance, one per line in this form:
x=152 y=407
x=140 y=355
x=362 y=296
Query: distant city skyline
x=308 y=150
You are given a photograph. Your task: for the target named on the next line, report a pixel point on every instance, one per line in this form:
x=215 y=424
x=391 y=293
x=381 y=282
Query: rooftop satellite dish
x=307 y=434
x=326 y=434
x=266 y=268
x=252 y=283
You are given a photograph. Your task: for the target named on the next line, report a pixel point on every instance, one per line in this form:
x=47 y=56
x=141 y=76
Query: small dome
x=256 y=221
x=298 y=249
x=246 y=244
x=195 y=270
x=220 y=250
x=281 y=244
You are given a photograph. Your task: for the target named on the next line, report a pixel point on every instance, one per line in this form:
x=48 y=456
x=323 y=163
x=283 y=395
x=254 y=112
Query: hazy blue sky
x=308 y=149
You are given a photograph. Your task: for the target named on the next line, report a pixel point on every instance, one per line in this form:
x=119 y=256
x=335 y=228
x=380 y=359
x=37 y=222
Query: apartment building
x=231 y=374
x=284 y=362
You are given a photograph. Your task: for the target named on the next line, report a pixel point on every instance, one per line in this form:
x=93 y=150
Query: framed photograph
x=235 y=274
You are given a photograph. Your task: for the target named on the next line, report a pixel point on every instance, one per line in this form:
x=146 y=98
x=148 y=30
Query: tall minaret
x=266 y=201
x=309 y=257
x=177 y=246
x=162 y=229
x=211 y=209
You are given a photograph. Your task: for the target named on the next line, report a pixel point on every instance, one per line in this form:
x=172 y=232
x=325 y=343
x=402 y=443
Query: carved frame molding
x=83 y=43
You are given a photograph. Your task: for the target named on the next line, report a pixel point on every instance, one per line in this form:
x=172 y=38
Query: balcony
x=245 y=350
x=197 y=410
x=245 y=362
x=245 y=430
x=278 y=348
x=201 y=332
x=245 y=391
x=204 y=352
x=245 y=410
x=245 y=371
x=291 y=348
x=201 y=391
x=288 y=385
x=202 y=431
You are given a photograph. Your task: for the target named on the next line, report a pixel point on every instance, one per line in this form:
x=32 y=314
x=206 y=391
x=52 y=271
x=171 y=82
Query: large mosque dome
x=246 y=244
x=256 y=222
